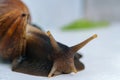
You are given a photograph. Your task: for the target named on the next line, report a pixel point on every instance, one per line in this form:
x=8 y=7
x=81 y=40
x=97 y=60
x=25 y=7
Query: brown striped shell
x=13 y=20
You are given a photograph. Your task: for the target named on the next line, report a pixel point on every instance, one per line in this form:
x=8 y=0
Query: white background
x=54 y=13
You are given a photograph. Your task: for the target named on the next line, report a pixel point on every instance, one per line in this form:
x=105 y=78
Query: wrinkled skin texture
x=31 y=50
x=40 y=57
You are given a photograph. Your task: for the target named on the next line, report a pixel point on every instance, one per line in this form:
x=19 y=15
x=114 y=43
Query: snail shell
x=14 y=17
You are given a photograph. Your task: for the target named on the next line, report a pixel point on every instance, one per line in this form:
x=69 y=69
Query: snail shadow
x=5 y=62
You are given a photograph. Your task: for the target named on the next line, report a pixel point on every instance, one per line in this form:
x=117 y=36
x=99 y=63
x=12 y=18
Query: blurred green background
x=85 y=24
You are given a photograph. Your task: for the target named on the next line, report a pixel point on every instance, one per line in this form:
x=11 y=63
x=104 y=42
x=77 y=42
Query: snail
x=30 y=49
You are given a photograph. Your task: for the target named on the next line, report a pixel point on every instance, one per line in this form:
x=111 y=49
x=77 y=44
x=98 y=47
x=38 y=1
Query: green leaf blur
x=84 y=24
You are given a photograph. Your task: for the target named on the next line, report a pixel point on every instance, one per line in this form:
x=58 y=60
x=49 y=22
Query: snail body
x=31 y=50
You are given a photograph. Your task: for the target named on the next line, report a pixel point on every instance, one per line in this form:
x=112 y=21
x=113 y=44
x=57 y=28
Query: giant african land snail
x=30 y=49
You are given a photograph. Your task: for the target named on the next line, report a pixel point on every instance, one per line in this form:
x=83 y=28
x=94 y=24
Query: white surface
x=101 y=56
